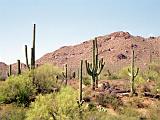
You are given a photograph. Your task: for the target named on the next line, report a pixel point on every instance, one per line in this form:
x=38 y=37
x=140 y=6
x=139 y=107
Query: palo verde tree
x=94 y=68
x=133 y=72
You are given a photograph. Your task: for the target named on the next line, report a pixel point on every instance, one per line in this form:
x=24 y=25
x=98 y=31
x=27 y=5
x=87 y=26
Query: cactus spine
x=19 y=67
x=32 y=51
x=94 y=69
x=133 y=74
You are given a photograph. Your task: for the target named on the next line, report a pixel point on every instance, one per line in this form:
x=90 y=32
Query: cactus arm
x=129 y=72
x=136 y=72
x=101 y=68
x=89 y=71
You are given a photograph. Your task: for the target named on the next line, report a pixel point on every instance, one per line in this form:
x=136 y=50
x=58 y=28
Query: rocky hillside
x=4 y=69
x=115 y=48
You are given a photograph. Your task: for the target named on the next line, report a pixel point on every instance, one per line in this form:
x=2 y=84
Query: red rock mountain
x=115 y=48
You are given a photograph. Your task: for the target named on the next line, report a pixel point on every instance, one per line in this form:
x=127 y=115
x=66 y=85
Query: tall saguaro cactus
x=94 y=69
x=133 y=73
x=32 y=51
x=26 y=54
x=33 y=47
x=10 y=70
x=18 y=67
x=80 y=101
x=65 y=74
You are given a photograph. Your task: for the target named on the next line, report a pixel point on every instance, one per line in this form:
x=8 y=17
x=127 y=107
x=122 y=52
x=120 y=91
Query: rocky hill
x=115 y=48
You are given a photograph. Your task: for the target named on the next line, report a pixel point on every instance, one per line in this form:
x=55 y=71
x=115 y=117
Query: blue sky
x=68 y=22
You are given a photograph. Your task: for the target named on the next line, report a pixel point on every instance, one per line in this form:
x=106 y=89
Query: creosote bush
x=45 y=78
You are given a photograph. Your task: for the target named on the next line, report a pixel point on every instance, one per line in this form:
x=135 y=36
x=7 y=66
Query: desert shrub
x=113 y=76
x=123 y=73
x=41 y=109
x=87 y=80
x=129 y=113
x=107 y=100
x=151 y=75
x=61 y=106
x=45 y=78
x=96 y=115
x=12 y=112
x=154 y=67
x=139 y=80
x=136 y=102
x=17 y=89
x=154 y=112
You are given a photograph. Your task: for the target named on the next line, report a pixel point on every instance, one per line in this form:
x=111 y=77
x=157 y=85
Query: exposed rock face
x=110 y=46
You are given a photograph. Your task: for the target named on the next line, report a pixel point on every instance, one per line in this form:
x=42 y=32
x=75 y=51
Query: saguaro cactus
x=32 y=51
x=80 y=101
x=94 y=68
x=65 y=73
x=10 y=70
x=18 y=67
x=26 y=54
x=132 y=73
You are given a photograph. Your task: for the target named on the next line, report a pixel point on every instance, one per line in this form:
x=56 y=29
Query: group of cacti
x=32 y=65
x=93 y=69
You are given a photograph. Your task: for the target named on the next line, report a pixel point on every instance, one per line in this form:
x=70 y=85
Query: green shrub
x=86 y=80
x=108 y=100
x=61 y=106
x=129 y=114
x=12 y=112
x=154 y=67
x=17 y=89
x=96 y=115
x=45 y=78
x=123 y=73
x=139 y=80
x=151 y=75
x=113 y=77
